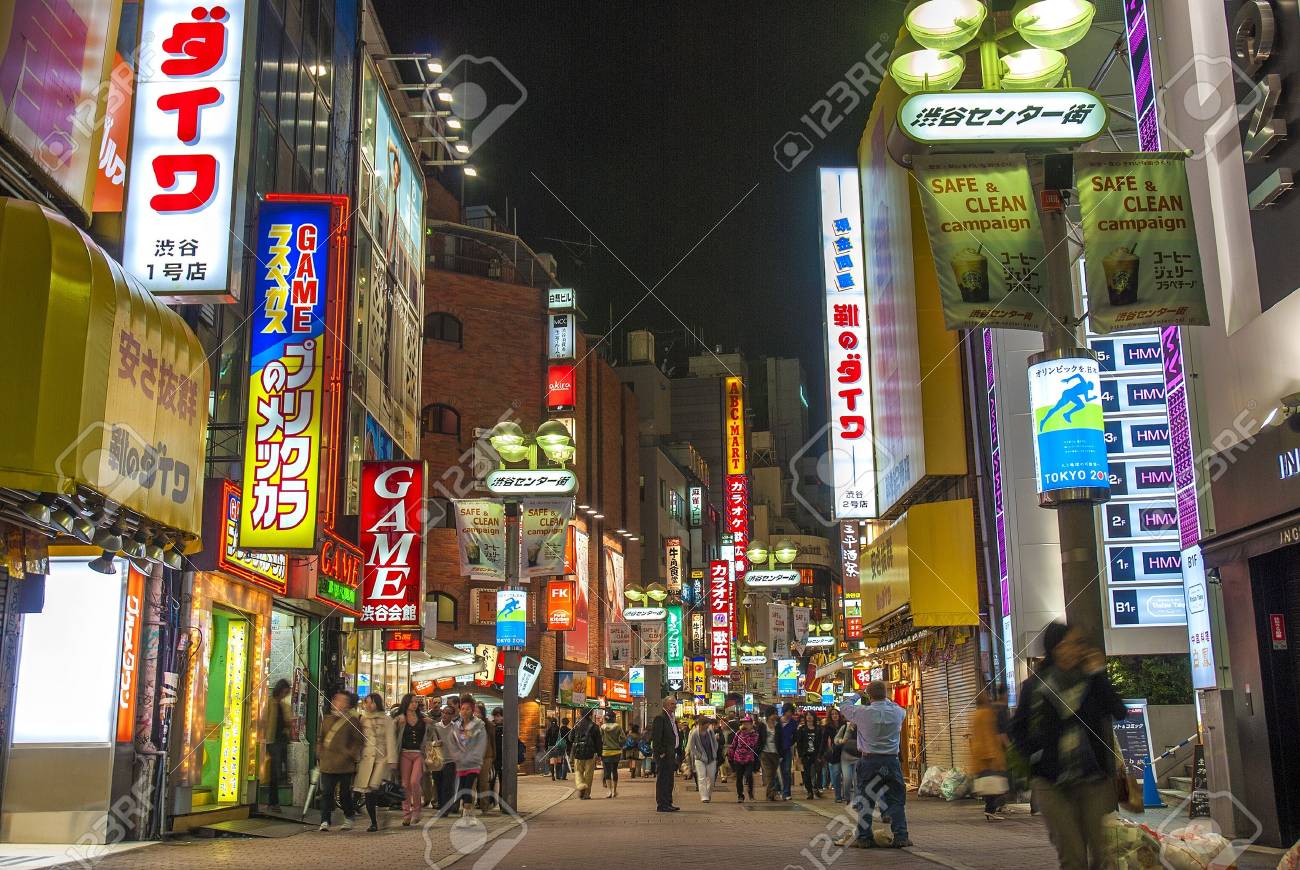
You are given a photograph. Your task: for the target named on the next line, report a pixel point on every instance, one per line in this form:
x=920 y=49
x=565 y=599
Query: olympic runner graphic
x=1075 y=397
x=511 y=606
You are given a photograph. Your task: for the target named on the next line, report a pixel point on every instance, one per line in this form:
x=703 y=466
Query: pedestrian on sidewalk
x=988 y=746
x=880 y=775
x=584 y=741
x=338 y=749
x=445 y=779
x=483 y=787
x=611 y=753
x=467 y=747
x=722 y=735
x=769 y=757
x=702 y=752
x=1063 y=725
x=275 y=730
x=743 y=756
x=496 y=739
x=785 y=746
x=665 y=741
x=632 y=751
x=378 y=756
x=847 y=740
x=411 y=733
x=554 y=745
x=808 y=740
x=831 y=751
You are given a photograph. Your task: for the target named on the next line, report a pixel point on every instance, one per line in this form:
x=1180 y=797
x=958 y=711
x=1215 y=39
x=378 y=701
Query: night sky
x=650 y=122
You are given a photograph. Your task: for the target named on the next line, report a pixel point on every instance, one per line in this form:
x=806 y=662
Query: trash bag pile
x=951 y=784
x=1132 y=846
x=930 y=783
x=1195 y=847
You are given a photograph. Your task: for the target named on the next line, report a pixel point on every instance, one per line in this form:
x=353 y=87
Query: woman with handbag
x=413 y=735
x=831 y=752
x=378 y=756
x=1063 y=725
x=988 y=746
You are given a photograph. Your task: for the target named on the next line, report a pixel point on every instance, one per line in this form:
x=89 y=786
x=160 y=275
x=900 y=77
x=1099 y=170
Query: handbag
x=991 y=785
x=434 y=760
x=1127 y=791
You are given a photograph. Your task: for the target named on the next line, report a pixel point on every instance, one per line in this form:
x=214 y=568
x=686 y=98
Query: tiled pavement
x=559 y=831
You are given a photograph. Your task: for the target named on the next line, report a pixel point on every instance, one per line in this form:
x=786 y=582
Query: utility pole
x=510 y=692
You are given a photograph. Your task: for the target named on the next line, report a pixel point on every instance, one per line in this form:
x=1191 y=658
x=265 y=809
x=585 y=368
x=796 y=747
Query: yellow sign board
x=925 y=560
x=734 y=421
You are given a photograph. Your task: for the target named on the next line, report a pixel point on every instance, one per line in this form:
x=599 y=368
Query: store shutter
x=948 y=691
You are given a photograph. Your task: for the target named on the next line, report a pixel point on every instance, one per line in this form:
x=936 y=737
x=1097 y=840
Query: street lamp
x=1031 y=69
x=513 y=445
x=944 y=25
x=1055 y=24
x=785 y=552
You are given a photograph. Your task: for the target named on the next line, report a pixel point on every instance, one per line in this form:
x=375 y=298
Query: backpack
x=584 y=746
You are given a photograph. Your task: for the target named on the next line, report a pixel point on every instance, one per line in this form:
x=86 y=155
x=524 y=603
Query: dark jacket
x=1037 y=726
x=584 y=741
x=785 y=736
x=662 y=741
x=808 y=741
x=552 y=735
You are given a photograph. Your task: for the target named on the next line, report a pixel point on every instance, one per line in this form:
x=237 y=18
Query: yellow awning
x=103 y=385
x=925 y=560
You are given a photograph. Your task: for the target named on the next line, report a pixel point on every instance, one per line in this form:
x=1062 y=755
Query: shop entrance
x=225 y=711
x=295 y=658
x=1275 y=578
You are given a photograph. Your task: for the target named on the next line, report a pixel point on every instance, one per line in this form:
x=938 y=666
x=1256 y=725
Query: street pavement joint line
x=454 y=858
x=912 y=850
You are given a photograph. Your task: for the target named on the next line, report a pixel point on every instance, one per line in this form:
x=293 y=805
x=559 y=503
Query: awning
x=105 y=387
x=440 y=660
x=927 y=562
x=1256 y=540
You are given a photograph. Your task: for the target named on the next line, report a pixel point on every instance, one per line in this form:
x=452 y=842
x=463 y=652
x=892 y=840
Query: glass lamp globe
x=786 y=552
x=634 y=593
x=1055 y=24
x=1032 y=69
x=927 y=70
x=656 y=591
x=757 y=552
x=512 y=452
x=553 y=432
x=506 y=434
x=945 y=25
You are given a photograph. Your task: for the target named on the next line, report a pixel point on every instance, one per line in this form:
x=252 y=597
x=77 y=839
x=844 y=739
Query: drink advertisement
x=481 y=532
x=543 y=529
x=778 y=626
x=1139 y=242
x=1069 y=426
x=982 y=218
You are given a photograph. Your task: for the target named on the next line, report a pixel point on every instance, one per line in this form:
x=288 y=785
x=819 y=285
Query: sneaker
x=347 y=824
x=324 y=826
x=406 y=823
x=864 y=844
x=900 y=843
x=372 y=829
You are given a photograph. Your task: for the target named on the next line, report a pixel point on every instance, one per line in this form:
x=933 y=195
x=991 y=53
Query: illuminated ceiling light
x=134 y=547
x=1032 y=69
x=598 y=516
x=621 y=531
x=1055 y=24
x=927 y=70
x=461 y=147
x=944 y=25
x=471 y=172
x=453 y=123
x=38 y=512
x=445 y=95
x=103 y=563
x=108 y=539
x=590 y=511
x=435 y=66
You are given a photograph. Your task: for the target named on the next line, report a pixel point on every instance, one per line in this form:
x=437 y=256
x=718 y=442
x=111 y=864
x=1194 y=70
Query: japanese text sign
x=852 y=452
x=559 y=605
x=180 y=190
x=562 y=336
x=719 y=619
x=392 y=539
x=696 y=506
x=850 y=554
x=270 y=570
x=286 y=398
x=734 y=421
x=673 y=559
x=982 y=220
x=403 y=640
x=1069 y=429
x=1139 y=242
x=1023 y=118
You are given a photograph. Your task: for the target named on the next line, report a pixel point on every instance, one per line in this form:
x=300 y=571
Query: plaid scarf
x=1066 y=692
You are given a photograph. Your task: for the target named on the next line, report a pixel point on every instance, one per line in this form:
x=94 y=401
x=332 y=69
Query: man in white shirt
x=879 y=774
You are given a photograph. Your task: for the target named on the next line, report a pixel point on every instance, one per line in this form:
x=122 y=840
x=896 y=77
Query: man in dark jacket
x=808 y=743
x=584 y=742
x=664 y=741
x=338 y=749
x=785 y=747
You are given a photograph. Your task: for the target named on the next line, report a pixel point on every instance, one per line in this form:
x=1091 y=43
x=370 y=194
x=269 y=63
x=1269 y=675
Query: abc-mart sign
x=1024 y=118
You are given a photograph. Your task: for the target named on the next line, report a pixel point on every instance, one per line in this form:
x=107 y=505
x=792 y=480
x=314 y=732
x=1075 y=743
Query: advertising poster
x=577 y=641
x=562 y=343
x=620 y=644
x=529 y=670
x=636 y=681
x=481 y=531
x=652 y=636
x=559 y=605
x=512 y=618
x=614 y=585
x=391 y=537
x=799 y=617
x=571 y=688
x=1069 y=424
x=787 y=677
x=110 y=180
x=982 y=218
x=1197 y=603
x=543 y=530
x=1139 y=241
x=699 y=676
x=282 y=437
x=779 y=642
x=674 y=646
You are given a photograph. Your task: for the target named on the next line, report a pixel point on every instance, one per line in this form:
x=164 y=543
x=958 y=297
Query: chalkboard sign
x=1134 y=736
x=1199 y=806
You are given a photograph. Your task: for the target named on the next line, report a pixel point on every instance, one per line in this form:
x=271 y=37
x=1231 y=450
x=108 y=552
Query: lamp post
x=1026 y=56
x=553 y=441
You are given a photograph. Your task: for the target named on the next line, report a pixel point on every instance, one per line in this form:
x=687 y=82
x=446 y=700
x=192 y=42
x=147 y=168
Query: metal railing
x=485 y=253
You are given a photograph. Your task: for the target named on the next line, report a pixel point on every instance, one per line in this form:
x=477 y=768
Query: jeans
x=880 y=783
x=704 y=774
x=786 y=774
x=833 y=769
x=331 y=783
x=744 y=778
x=811 y=772
x=848 y=777
x=411 y=771
x=771 y=763
x=277 y=762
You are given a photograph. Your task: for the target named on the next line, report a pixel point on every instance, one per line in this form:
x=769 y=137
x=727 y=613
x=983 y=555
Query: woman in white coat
x=702 y=754
x=378 y=757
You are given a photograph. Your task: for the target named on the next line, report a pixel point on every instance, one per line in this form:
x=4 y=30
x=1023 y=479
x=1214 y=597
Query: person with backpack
x=632 y=750
x=743 y=756
x=847 y=741
x=585 y=744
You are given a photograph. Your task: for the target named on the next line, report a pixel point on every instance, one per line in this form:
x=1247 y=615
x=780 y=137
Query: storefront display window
x=387 y=674
x=295 y=658
x=224 y=710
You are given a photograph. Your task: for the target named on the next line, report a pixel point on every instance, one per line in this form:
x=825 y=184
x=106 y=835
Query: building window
x=439 y=419
x=676 y=506
x=445 y=606
x=441 y=326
